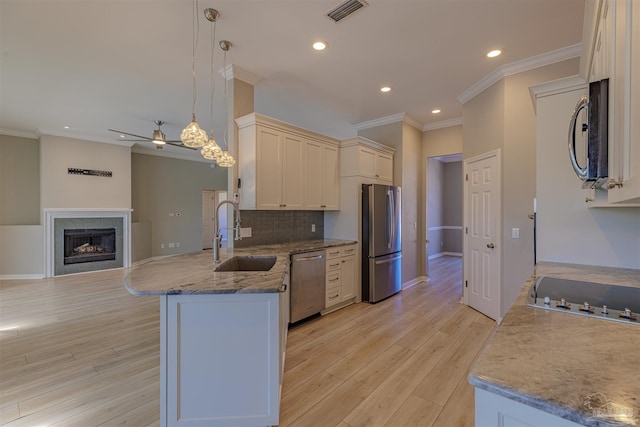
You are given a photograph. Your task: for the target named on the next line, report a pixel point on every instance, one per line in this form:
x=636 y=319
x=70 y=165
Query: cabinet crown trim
x=259 y=119
x=368 y=143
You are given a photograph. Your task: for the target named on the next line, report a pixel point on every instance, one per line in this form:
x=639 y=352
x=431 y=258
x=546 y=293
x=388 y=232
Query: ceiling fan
x=158 y=138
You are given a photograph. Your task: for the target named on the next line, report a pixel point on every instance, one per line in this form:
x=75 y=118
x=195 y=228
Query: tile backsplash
x=269 y=227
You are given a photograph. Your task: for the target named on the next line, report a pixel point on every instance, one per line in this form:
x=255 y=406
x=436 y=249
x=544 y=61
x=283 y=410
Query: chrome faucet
x=217 y=241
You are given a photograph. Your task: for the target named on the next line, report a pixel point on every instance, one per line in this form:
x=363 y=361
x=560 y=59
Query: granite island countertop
x=556 y=361
x=193 y=273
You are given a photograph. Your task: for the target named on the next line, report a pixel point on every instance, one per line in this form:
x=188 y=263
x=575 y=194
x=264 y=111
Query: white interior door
x=482 y=249
x=208 y=226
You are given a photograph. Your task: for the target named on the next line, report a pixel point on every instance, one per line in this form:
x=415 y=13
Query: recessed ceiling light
x=320 y=45
x=122 y=136
x=436 y=111
x=385 y=89
x=67 y=127
x=494 y=53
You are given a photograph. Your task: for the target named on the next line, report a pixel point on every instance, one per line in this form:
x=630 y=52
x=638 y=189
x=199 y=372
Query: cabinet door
x=367 y=162
x=268 y=168
x=384 y=167
x=313 y=175
x=624 y=137
x=348 y=277
x=330 y=178
x=292 y=172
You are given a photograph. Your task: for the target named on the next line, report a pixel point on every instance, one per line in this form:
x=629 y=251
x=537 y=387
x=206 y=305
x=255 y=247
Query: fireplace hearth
x=89 y=245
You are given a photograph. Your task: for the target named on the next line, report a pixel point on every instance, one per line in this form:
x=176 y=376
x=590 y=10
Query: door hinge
x=466 y=283
x=466 y=177
x=466 y=230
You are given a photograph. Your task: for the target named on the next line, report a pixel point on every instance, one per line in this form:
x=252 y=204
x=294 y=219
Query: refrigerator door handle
x=390 y=225
x=384 y=261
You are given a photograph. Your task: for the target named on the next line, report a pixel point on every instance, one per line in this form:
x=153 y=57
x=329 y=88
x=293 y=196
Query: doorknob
x=491 y=245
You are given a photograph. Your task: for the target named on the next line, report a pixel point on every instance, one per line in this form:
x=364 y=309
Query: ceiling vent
x=345 y=9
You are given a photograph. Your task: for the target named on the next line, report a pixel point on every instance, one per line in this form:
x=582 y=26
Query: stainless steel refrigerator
x=381 y=242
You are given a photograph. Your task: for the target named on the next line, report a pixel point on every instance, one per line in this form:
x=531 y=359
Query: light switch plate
x=515 y=233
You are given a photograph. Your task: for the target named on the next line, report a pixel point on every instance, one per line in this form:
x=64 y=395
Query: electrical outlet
x=313 y=228
x=245 y=231
x=177 y=244
x=171 y=245
x=161 y=245
x=515 y=233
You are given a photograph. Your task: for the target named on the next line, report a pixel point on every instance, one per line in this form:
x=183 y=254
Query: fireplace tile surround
x=57 y=220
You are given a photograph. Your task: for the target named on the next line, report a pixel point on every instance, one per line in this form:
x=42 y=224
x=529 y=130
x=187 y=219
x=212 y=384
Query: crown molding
x=400 y=117
x=443 y=124
x=20 y=133
x=565 y=84
x=234 y=72
x=526 y=64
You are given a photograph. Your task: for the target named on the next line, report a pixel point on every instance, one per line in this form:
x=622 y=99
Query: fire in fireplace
x=89 y=245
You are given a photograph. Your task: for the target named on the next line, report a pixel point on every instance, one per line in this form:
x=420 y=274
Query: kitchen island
x=222 y=334
x=548 y=368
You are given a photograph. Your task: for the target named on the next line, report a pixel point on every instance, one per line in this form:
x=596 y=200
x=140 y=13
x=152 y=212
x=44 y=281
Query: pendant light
x=225 y=160
x=192 y=136
x=211 y=150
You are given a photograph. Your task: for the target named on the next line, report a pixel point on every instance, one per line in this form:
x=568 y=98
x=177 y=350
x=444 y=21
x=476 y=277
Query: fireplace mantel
x=51 y=214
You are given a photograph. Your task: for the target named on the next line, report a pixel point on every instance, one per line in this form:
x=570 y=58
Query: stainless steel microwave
x=593 y=166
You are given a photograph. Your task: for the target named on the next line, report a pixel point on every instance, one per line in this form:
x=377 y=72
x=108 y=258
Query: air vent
x=345 y=9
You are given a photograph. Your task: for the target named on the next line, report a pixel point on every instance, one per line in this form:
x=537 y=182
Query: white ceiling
x=98 y=64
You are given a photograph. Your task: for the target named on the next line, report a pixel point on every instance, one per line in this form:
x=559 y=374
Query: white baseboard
x=439 y=254
x=410 y=283
x=21 y=276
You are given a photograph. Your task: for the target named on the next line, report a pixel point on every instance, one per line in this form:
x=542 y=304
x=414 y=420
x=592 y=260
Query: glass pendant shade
x=226 y=160
x=192 y=136
x=211 y=150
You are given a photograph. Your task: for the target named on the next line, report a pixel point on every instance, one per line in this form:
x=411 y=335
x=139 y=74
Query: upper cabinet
x=368 y=159
x=611 y=41
x=283 y=167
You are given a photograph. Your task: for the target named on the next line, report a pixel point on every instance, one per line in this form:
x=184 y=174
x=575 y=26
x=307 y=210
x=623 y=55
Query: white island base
x=221 y=359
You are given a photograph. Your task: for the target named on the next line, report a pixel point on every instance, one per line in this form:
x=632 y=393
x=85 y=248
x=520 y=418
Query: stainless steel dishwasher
x=308 y=273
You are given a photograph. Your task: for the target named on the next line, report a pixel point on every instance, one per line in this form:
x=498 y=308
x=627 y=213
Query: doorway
x=444 y=208
x=211 y=199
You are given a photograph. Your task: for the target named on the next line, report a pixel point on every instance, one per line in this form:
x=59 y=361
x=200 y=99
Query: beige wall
x=163 y=186
x=19 y=181
x=58 y=189
x=412 y=204
x=502 y=117
x=442 y=142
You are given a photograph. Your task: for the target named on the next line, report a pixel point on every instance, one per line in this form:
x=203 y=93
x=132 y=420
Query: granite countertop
x=193 y=273
x=557 y=362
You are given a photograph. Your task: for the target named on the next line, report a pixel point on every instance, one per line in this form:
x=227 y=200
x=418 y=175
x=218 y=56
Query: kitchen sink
x=248 y=263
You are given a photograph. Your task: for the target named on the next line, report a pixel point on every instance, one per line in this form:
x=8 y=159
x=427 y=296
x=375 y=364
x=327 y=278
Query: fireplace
x=89 y=245
x=83 y=240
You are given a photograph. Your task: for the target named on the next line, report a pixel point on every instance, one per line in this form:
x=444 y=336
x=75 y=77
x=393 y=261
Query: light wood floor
x=81 y=351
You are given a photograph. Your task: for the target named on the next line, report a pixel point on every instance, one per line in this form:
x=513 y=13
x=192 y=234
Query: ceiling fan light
x=192 y=136
x=226 y=160
x=158 y=137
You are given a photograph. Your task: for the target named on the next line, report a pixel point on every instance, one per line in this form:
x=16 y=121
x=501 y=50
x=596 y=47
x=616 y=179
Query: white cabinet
x=494 y=410
x=610 y=50
x=368 y=159
x=341 y=276
x=321 y=176
x=283 y=167
x=221 y=359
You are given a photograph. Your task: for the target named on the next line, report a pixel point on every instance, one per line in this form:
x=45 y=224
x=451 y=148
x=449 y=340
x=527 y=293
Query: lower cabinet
x=221 y=359
x=341 y=276
x=494 y=410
